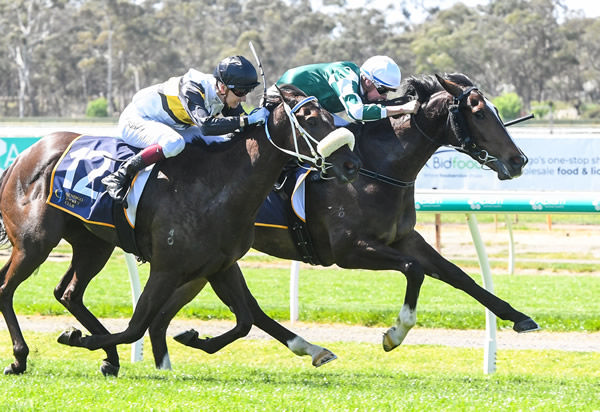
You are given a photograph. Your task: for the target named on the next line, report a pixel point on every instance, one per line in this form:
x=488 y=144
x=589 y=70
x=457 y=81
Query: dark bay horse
x=194 y=221
x=370 y=223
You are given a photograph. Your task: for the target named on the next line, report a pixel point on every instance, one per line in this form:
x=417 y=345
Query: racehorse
x=370 y=223
x=195 y=220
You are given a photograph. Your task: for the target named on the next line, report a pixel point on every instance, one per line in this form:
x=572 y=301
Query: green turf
x=557 y=302
x=263 y=375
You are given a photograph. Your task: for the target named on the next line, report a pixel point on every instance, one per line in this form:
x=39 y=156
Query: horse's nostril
x=518 y=161
x=350 y=167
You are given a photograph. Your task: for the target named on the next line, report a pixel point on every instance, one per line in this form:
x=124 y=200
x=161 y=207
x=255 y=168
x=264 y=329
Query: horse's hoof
x=187 y=337
x=387 y=342
x=526 y=325
x=165 y=364
x=108 y=369
x=70 y=337
x=13 y=369
x=323 y=357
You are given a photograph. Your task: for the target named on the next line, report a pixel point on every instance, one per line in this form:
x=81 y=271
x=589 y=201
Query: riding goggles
x=382 y=89
x=240 y=92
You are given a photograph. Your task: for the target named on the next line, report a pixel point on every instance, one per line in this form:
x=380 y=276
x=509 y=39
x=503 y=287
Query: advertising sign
x=11 y=147
x=560 y=162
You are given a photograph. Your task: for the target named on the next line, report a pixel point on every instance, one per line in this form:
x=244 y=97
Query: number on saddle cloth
x=76 y=186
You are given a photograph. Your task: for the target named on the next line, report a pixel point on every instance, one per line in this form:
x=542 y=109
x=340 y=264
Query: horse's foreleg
x=407 y=318
x=373 y=255
x=158 y=328
x=185 y=293
x=438 y=267
x=89 y=257
x=230 y=287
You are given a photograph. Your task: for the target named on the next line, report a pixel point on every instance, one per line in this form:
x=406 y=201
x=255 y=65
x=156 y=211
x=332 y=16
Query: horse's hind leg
x=90 y=254
x=19 y=267
x=185 y=293
x=298 y=345
x=230 y=287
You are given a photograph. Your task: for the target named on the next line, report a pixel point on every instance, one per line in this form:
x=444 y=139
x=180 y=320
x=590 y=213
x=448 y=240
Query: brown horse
x=370 y=223
x=194 y=221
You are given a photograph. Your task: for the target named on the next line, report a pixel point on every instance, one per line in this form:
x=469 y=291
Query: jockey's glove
x=258 y=116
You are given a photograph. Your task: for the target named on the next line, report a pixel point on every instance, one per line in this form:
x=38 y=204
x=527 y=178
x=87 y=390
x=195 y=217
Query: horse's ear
x=451 y=87
x=285 y=94
x=273 y=99
x=440 y=79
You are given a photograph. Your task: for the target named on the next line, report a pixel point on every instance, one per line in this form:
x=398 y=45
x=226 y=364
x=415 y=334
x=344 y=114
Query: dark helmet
x=237 y=72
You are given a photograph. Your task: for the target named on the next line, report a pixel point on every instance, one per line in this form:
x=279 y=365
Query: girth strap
x=297 y=228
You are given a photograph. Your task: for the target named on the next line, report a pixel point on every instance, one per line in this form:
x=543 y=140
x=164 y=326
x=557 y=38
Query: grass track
x=263 y=375
x=346 y=296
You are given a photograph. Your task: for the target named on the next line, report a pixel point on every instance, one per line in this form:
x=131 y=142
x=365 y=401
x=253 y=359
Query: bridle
x=317 y=158
x=460 y=128
x=456 y=122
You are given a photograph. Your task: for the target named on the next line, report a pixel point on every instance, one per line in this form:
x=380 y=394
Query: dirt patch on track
x=323 y=333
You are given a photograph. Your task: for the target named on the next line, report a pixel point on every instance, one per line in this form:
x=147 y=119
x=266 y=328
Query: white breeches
x=140 y=132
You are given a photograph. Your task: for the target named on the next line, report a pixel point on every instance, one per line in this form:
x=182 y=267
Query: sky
x=591 y=8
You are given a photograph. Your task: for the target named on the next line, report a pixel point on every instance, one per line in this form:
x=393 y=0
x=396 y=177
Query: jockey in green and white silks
x=162 y=118
x=343 y=87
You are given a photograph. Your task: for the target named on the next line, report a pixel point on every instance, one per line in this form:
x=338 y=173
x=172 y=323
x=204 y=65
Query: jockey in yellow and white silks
x=162 y=118
x=343 y=87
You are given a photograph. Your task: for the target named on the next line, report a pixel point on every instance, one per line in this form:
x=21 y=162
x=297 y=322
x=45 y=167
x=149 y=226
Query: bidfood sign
x=569 y=162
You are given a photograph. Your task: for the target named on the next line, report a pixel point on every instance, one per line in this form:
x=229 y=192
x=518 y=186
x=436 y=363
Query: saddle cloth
x=76 y=186
x=272 y=213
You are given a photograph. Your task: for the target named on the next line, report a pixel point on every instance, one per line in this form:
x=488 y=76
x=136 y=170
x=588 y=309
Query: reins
x=385 y=179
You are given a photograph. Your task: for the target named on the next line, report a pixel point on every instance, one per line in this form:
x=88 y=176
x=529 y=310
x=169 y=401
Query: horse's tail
x=3 y=235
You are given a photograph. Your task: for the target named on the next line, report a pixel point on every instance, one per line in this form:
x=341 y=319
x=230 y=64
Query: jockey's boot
x=118 y=183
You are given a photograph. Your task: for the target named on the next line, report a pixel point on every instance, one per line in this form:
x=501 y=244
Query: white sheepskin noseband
x=335 y=140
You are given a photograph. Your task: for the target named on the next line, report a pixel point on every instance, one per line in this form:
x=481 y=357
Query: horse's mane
x=422 y=87
x=275 y=99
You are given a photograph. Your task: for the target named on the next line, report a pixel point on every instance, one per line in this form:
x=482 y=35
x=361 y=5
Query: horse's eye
x=312 y=121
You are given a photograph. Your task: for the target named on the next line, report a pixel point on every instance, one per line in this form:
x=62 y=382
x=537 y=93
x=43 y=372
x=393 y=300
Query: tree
x=29 y=24
x=509 y=105
x=533 y=43
x=60 y=54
